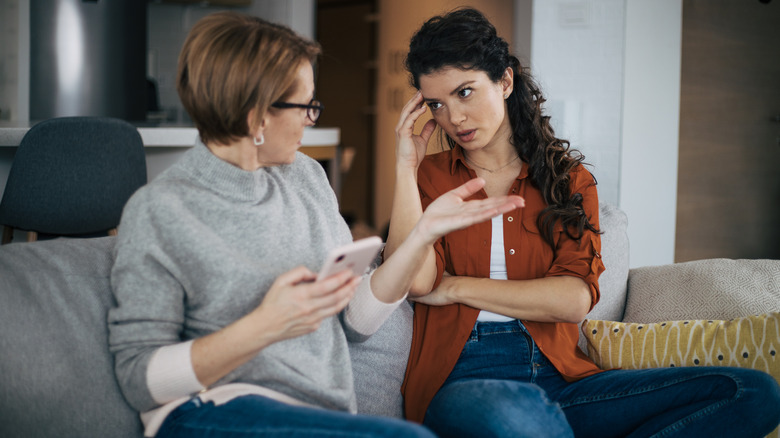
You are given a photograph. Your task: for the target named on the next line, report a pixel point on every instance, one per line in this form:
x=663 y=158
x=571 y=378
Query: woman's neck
x=241 y=153
x=493 y=157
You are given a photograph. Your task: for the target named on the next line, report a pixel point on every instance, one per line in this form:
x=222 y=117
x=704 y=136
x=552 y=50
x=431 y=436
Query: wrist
x=420 y=237
x=406 y=170
x=260 y=328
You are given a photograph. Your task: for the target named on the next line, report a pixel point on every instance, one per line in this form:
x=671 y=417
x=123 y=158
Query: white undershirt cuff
x=170 y=374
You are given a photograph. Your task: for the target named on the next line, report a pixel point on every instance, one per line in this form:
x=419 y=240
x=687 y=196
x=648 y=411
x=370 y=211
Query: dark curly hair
x=465 y=39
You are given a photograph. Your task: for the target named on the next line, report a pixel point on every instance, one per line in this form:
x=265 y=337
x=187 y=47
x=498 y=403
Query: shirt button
x=510 y=218
x=511 y=252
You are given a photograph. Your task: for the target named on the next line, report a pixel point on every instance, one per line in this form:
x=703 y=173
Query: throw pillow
x=748 y=342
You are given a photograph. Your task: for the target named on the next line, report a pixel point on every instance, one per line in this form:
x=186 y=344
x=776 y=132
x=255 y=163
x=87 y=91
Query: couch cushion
x=614 y=255
x=56 y=373
x=379 y=365
x=703 y=289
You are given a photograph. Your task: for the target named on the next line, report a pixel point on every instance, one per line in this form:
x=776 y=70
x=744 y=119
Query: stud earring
x=260 y=141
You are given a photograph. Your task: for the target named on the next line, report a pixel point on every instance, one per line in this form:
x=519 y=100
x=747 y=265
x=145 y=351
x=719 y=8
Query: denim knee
x=760 y=395
x=495 y=408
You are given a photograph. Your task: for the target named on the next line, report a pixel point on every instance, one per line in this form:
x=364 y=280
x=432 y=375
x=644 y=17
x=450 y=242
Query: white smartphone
x=356 y=256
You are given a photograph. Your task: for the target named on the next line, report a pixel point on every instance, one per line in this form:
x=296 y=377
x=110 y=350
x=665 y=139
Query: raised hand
x=451 y=211
x=410 y=147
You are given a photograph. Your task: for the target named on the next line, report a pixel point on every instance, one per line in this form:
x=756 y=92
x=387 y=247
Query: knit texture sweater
x=199 y=247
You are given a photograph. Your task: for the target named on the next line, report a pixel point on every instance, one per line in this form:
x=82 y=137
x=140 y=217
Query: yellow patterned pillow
x=749 y=342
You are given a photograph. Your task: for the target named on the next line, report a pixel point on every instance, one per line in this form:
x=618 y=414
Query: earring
x=258 y=142
x=506 y=96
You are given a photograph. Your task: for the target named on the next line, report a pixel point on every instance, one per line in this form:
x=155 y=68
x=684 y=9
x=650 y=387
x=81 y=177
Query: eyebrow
x=455 y=91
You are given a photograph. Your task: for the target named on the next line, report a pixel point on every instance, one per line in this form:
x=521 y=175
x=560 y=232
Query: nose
x=457 y=116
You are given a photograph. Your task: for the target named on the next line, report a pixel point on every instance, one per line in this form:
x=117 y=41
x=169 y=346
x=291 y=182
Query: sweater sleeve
x=148 y=314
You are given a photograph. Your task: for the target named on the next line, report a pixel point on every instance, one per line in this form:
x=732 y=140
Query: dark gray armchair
x=71 y=176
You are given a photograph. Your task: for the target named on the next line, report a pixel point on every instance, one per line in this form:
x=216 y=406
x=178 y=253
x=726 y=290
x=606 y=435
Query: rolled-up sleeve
x=582 y=257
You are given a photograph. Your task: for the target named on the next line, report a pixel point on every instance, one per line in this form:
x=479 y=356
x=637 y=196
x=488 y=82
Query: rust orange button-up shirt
x=440 y=332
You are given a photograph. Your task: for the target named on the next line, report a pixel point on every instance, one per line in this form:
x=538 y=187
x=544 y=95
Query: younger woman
x=494 y=351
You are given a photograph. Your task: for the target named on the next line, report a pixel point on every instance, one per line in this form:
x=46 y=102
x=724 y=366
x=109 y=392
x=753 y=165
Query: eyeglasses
x=313 y=109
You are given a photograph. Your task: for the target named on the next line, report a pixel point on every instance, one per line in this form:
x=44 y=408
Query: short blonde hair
x=233 y=63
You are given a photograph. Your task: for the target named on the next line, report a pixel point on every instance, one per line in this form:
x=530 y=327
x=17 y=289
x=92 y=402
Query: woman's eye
x=434 y=105
x=465 y=92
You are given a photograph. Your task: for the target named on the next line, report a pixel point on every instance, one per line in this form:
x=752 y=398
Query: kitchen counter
x=11 y=135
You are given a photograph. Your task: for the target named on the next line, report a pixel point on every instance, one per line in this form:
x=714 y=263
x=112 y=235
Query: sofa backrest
x=614 y=255
x=56 y=373
x=703 y=289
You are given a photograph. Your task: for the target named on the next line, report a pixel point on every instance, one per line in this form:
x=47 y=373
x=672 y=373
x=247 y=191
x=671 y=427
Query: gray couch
x=56 y=375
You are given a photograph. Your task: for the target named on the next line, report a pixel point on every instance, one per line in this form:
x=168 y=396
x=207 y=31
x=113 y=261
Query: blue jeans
x=257 y=416
x=503 y=386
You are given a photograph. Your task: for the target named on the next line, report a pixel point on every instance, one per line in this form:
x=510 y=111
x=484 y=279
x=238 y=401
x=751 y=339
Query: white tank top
x=497 y=266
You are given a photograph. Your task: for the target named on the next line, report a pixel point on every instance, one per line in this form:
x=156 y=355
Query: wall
x=577 y=59
x=650 y=133
x=610 y=70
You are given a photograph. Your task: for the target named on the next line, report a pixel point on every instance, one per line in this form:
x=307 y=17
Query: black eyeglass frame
x=314 y=106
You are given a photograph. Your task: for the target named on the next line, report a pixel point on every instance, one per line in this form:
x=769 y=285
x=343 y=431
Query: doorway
x=728 y=200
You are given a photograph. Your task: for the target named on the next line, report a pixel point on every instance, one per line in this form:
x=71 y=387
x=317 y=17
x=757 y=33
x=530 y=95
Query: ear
x=508 y=81
x=256 y=126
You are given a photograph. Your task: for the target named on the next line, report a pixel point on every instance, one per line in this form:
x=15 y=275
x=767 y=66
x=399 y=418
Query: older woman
x=219 y=326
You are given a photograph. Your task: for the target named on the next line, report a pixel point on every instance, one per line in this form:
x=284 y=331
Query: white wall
x=650 y=139
x=610 y=70
x=577 y=58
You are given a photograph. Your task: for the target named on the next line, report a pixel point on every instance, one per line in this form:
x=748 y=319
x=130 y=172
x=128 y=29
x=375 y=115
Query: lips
x=466 y=135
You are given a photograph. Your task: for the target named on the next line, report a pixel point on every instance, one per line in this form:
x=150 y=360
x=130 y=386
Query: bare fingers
x=412 y=111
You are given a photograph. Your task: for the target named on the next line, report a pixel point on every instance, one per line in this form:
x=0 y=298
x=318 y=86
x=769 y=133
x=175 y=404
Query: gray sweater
x=200 y=246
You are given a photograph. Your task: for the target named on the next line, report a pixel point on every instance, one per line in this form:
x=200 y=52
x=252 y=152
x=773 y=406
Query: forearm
x=549 y=299
x=403 y=272
x=406 y=213
x=406 y=209
x=178 y=370
x=215 y=355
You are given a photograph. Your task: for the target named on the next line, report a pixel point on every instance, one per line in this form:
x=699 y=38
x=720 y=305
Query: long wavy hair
x=465 y=39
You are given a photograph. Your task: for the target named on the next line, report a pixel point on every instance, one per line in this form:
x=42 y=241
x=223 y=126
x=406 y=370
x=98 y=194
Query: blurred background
x=674 y=103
